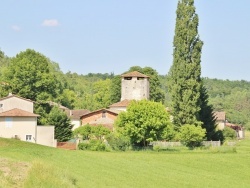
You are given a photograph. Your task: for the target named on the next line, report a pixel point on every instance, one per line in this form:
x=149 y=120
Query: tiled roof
x=11 y=95
x=107 y=110
x=123 y=103
x=234 y=126
x=135 y=74
x=51 y=103
x=17 y=113
x=220 y=116
x=76 y=114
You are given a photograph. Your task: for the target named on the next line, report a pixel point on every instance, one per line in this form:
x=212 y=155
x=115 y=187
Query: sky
x=104 y=36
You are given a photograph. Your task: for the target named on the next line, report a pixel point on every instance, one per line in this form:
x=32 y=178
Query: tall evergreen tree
x=207 y=116
x=185 y=83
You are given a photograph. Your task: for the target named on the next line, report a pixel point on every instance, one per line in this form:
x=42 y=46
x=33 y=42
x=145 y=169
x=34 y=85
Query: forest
x=32 y=75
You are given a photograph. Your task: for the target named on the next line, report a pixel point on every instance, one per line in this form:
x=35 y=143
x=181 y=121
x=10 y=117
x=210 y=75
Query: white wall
x=45 y=135
x=11 y=127
x=15 y=102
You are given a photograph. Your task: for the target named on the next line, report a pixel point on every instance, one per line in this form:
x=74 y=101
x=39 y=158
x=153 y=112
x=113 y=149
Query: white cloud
x=50 y=23
x=15 y=28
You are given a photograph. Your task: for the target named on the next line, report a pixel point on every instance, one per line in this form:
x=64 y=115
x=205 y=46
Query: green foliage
x=83 y=131
x=229 y=133
x=144 y=121
x=99 y=132
x=102 y=93
x=93 y=145
x=83 y=146
x=63 y=128
x=118 y=142
x=115 y=95
x=184 y=76
x=28 y=75
x=191 y=135
x=68 y=98
x=207 y=116
x=89 y=132
x=169 y=133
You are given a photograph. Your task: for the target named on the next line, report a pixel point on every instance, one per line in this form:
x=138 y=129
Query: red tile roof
x=220 y=116
x=103 y=109
x=76 y=114
x=123 y=103
x=17 y=113
x=135 y=74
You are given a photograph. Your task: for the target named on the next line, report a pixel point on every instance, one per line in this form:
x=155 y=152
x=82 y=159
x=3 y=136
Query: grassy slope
x=59 y=168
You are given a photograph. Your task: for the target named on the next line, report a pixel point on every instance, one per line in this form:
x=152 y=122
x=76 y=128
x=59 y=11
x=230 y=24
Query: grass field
x=28 y=165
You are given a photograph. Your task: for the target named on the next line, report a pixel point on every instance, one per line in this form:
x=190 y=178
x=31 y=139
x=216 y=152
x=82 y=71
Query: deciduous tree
x=185 y=74
x=144 y=121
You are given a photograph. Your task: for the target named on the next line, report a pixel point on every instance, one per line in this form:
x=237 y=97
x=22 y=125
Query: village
x=18 y=121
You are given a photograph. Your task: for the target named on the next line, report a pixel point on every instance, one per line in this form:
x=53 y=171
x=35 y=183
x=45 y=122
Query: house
x=17 y=120
x=220 y=120
x=75 y=115
x=240 y=133
x=103 y=117
x=134 y=86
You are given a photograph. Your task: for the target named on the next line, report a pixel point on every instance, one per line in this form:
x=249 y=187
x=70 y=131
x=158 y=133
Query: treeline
x=34 y=76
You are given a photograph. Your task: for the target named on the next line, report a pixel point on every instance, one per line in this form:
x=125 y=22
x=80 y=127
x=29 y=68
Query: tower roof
x=135 y=74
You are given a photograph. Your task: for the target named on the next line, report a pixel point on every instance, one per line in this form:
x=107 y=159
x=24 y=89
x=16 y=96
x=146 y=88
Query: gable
x=12 y=101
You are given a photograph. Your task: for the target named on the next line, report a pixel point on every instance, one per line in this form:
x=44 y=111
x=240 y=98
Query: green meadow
x=24 y=164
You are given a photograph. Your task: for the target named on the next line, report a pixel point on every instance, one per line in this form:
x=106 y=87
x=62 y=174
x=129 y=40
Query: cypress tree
x=207 y=117
x=185 y=84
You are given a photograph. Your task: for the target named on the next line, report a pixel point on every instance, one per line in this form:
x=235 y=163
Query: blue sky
x=112 y=35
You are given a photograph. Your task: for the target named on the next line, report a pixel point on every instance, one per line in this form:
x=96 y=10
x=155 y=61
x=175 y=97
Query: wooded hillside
x=99 y=90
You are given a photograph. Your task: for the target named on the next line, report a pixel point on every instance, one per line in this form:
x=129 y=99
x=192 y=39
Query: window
x=103 y=114
x=8 y=122
x=28 y=137
x=127 y=78
x=1 y=105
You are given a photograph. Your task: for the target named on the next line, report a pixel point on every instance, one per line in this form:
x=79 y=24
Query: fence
x=165 y=144
x=211 y=143
x=67 y=145
x=177 y=144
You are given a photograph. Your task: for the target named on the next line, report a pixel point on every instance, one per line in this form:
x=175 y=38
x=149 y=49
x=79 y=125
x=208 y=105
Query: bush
x=118 y=143
x=191 y=135
x=229 y=133
x=93 y=145
x=97 y=145
x=83 y=146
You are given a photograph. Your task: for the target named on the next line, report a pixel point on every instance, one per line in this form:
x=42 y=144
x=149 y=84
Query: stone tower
x=134 y=86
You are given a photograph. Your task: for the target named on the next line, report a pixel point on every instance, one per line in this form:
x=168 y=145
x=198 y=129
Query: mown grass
x=50 y=167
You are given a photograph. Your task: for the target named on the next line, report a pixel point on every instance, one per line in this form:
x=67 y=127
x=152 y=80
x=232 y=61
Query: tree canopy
x=188 y=96
x=144 y=121
x=63 y=127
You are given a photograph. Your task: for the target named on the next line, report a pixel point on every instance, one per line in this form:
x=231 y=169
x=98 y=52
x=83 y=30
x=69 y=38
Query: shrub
x=97 y=145
x=191 y=135
x=93 y=145
x=118 y=143
x=83 y=146
x=229 y=133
